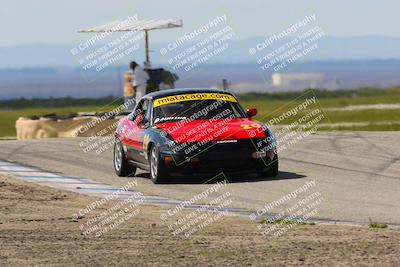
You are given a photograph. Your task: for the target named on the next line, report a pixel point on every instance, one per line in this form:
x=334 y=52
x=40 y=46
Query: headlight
x=259 y=154
x=168 y=140
x=170 y=143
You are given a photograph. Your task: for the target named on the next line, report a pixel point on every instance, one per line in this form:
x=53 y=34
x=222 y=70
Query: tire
x=121 y=165
x=273 y=168
x=158 y=171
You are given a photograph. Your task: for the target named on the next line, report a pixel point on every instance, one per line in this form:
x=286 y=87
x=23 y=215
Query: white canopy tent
x=136 y=25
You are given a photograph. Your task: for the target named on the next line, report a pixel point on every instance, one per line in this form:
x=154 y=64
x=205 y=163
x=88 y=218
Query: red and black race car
x=193 y=132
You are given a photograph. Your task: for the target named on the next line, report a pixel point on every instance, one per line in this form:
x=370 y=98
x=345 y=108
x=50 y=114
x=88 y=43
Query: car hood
x=207 y=130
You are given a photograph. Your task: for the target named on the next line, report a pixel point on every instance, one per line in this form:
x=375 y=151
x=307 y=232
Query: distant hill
x=243 y=77
x=329 y=48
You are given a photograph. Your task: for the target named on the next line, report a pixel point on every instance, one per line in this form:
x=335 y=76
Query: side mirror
x=251 y=112
x=139 y=119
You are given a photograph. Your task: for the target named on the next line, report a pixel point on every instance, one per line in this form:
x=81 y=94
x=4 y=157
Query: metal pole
x=119 y=79
x=146 y=36
x=225 y=84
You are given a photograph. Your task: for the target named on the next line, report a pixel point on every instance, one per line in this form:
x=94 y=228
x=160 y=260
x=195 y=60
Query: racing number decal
x=250 y=126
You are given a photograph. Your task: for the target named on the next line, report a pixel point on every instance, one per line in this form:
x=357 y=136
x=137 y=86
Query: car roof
x=171 y=92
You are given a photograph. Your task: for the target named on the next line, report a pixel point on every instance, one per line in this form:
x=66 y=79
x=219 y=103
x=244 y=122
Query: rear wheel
x=158 y=171
x=121 y=165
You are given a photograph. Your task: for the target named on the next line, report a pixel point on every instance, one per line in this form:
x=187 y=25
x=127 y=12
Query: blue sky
x=56 y=22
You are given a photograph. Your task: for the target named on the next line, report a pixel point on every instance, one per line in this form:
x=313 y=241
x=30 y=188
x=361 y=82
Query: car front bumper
x=227 y=159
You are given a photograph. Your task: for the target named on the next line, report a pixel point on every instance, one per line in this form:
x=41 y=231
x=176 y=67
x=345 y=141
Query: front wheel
x=158 y=171
x=273 y=168
x=121 y=165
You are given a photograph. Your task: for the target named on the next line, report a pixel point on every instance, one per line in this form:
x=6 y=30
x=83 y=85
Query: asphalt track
x=356 y=173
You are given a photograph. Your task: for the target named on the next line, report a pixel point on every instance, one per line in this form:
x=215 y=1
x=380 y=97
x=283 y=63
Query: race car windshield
x=197 y=110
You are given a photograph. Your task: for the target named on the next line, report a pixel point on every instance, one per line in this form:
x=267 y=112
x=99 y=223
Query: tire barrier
x=73 y=125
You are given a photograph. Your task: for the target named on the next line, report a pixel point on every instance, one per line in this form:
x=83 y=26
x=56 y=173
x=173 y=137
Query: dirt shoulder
x=37 y=228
